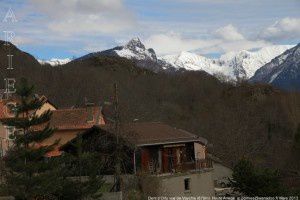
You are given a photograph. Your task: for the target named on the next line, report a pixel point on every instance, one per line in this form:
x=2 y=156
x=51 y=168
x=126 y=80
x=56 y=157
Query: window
x=187 y=184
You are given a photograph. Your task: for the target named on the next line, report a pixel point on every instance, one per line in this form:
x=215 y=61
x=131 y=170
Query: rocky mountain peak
x=232 y=65
x=134 y=44
x=135 y=49
x=283 y=71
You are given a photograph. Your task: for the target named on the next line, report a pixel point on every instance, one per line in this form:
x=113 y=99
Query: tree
x=297 y=140
x=86 y=167
x=29 y=174
x=252 y=181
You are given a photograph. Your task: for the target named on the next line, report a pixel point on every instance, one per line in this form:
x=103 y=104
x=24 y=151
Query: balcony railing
x=197 y=165
x=181 y=167
x=189 y=166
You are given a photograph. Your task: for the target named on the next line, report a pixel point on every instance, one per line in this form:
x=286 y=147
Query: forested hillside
x=242 y=120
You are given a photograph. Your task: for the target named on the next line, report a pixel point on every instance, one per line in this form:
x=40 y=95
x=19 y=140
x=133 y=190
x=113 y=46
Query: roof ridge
x=186 y=131
x=137 y=122
x=71 y=109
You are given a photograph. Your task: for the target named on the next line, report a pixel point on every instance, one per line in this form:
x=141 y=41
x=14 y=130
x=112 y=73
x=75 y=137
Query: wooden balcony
x=191 y=166
x=197 y=165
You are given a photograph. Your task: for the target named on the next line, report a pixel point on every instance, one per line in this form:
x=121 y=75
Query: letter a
x=10 y=16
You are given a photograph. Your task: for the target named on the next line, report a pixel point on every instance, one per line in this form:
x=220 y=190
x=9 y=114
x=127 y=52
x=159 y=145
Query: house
x=176 y=158
x=48 y=105
x=164 y=149
x=6 y=111
x=222 y=174
x=6 y=106
x=67 y=122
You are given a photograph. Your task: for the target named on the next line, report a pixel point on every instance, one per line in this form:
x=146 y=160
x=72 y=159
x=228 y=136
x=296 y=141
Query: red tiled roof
x=69 y=123
x=2 y=111
x=76 y=118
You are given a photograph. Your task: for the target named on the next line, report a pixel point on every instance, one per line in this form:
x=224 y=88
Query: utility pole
x=117 y=132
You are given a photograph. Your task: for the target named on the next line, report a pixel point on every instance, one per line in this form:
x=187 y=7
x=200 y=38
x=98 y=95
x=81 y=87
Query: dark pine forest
x=258 y=122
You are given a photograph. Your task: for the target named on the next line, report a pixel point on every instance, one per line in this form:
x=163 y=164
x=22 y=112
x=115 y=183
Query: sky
x=72 y=28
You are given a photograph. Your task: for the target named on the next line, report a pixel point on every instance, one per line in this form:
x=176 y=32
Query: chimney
x=100 y=118
x=89 y=108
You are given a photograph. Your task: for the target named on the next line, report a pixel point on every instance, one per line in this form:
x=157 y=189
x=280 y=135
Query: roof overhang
x=165 y=143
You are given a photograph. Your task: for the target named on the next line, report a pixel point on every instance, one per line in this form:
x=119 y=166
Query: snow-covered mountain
x=55 y=61
x=242 y=64
x=245 y=63
x=191 y=61
x=231 y=66
x=134 y=50
x=283 y=71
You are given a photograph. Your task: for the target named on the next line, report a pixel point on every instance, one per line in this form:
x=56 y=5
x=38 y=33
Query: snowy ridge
x=242 y=64
x=251 y=61
x=194 y=62
x=229 y=67
x=283 y=71
x=55 y=61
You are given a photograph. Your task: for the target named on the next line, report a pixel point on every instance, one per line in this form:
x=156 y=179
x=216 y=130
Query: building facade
x=6 y=111
x=175 y=159
x=67 y=122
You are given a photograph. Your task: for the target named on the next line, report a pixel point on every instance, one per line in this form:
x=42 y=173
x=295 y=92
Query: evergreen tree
x=87 y=168
x=252 y=181
x=27 y=174
x=297 y=140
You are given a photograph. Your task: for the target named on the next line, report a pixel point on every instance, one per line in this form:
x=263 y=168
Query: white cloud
x=227 y=46
x=231 y=40
x=95 y=47
x=92 y=17
x=209 y=1
x=173 y=43
x=229 y=33
x=286 y=28
x=93 y=25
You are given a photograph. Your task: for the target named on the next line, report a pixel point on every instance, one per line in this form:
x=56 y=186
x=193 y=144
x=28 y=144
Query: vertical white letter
x=10 y=62
x=9 y=37
x=10 y=16
x=10 y=86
